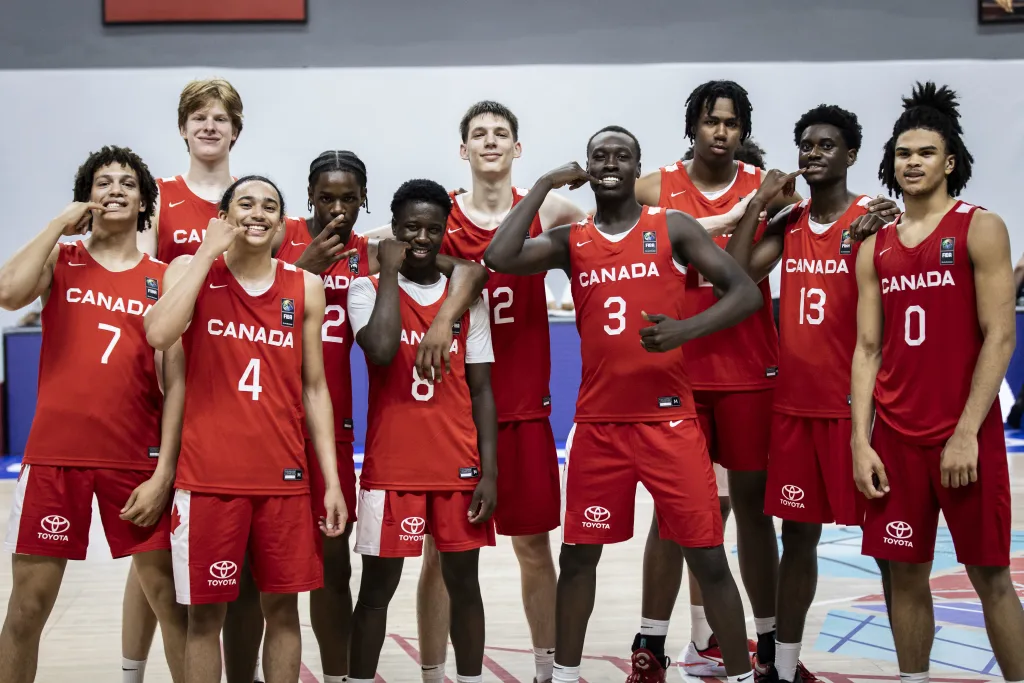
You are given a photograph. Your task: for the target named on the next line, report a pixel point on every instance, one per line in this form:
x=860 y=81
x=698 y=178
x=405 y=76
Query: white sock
x=914 y=678
x=786 y=657
x=744 y=678
x=544 y=660
x=335 y=679
x=566 y=674
x=258 y=674
x=700 y=629
x=765 y=625
x=653 y=627
x=469 y=679
x=360 y=680
x=132 y=671
x=431 y=673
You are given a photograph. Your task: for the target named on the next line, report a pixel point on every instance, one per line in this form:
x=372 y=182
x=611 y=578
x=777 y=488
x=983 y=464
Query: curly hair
x=124 y=156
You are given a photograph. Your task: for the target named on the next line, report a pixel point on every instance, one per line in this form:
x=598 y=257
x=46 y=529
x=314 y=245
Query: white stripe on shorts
x=17 y=505
x=370 y=512
x=722 y=479
x=182 y=503
x=565 y=478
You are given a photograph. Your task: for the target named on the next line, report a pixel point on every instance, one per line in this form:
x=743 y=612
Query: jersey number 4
x=250 y=380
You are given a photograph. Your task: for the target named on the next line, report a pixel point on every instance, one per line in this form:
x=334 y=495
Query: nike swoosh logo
x=675 y=423
x=171 y=205
x=580 y=244
x=298 y=244
x=676 y=194
x=76 y=265
x=884 y=250
x=796 y=229
x=212 y=286
x=450 y=231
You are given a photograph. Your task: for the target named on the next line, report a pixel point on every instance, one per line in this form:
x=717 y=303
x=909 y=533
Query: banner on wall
x=1000 y=11
x=176 y=11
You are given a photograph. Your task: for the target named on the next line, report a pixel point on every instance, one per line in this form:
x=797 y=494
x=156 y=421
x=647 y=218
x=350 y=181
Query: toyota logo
x=54 y=524
x=224 y=569
x=596 y=513
x=899 y=530
x=413 y=525
x=793 y=493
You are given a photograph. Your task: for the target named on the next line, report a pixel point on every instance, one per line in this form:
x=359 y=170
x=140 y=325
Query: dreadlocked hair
x=339 y=160
x=829 y=114
x=703 y=99
x=112 y=154
x=933 y=108
x=229 y=194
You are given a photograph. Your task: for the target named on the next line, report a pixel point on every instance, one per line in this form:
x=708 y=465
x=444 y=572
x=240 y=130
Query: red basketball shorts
x=392 y=523
x=604 y=463
x=346 y=475
x=901 y=526
x=528 y=486
x=737 y=427
x=810 y=472
x=211 y=534
x=52 y=511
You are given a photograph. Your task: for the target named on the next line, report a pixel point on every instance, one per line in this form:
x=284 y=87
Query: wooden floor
x=82 y=639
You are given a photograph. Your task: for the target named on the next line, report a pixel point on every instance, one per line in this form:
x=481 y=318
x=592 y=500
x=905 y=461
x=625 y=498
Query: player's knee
x=578 y=559
x=907 y=577
x=533 y=552
x=27 y=613
x=280 y=609
x=799 y=537
x=991 y=583
x=206 y=620
x=746 y=491
x=376 y=590
x=337 y=564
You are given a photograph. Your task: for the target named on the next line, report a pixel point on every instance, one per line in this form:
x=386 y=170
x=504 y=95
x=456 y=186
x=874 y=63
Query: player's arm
x=558 y=210
x=479 y=356
x=988 y=244
x=511 y=252
x=147 y=502
x=170 y=316
x=316 y=400
x=1018 y=273
x=27 y=274
x=740 y=297
x=147 y=239
x=868 y=471
x=376 y=317
x=783 y=199
x=466 y=283
x=648 y=189
x=382 y=232
x=759 y=259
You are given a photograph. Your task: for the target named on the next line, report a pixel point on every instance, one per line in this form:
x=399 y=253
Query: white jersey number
x=422 y=390
x=918 y=338
x=499 y=306
x=252 y=374
x=817 y=306
x=113 y=342
x=331 y=324
x=619 y=316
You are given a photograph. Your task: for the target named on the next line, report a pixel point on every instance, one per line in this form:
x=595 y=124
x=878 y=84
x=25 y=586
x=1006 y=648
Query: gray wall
x=348 y=33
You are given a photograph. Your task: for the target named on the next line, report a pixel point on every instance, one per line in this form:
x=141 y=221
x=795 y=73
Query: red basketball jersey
x=743 y=357
x=420 y=436
x=519 y=322
x=99 y=402
x=335 y=332
x=931 y=337
x=242 y=432
x=184 y=216
x=613 y=282
x=817 y=315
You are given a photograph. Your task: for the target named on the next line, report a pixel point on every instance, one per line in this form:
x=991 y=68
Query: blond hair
x=199 y=94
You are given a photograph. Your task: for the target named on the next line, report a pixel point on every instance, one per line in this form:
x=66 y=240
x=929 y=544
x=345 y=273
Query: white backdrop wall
x=404 y=123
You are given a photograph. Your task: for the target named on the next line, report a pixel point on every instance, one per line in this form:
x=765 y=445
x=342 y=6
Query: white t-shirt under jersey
x=362 y=295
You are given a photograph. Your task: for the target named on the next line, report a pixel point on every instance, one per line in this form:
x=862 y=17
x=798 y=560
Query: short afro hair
x=616 y=129
x=124 y=156
x=421 y=190
x=229 y=194
x=829 y=114
x=489 y=107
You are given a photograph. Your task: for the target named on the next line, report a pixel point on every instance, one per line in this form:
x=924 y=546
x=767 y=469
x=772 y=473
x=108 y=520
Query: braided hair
x=339 y=160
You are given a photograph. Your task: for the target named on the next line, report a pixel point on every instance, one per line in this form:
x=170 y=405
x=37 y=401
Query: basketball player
x=635 y=419
x=101 y=426
x=325 y=244
x=809 y=481
x=443 y=481
x=935 y=332
x=250 y=326
x=732 y=372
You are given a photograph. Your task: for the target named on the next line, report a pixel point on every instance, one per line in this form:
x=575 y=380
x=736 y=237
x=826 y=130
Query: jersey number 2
x=329 y=324
x=252 y=376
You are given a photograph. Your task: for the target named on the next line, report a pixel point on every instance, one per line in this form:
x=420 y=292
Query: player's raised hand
x=333 y=524
x=959 y=461
x=570 y=174
x=485 y=499
x=147 y=503
x=433 y=357
x=666 y=333
x=391 y=255
x=775 y=182
x=324 y=250
x=220 y=235
x=880 y=210
x=869 y=472
x=76 y=217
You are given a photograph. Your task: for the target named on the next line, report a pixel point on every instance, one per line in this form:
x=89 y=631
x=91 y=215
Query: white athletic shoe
x=703 y=663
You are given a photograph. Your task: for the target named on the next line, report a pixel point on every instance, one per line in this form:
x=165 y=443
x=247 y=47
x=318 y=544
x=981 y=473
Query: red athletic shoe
x=647 y=668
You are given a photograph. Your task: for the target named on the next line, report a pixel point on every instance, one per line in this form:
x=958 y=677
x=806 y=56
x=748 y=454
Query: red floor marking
x=413 y=653
x=306 y=676
x=957 y=586
x=850 y=678
x=495 y=668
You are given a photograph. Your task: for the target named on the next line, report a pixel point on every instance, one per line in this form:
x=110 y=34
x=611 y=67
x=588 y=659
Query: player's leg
x=886 y=574
x=912 y=618
x=723 y=605
x=377 y=586
x=577 y=587
x=156 y=579
x=243 y=630
x=202 y=646
x=461 y=578
x=282 y=651
x=798 y=581
x=330 y=608
x=35 y=582
x=539 y=586
x=432 y=613
x=1004 y=617
x=138 y=626
x=662 y=577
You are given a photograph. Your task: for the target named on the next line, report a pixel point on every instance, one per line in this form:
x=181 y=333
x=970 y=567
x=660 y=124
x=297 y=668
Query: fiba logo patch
x=596 y=517
x=412 y=529
x=54 y=528
x=223 y=573
x=791 y=496
x=898 y=533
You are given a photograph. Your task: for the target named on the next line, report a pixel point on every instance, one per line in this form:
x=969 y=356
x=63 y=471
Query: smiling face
x=490 y=146
x=422 y=225
x=116 y=187
x=824 y=154
x=921 y=161
x=257 y=206
x=209 y=132
x=613 y=160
